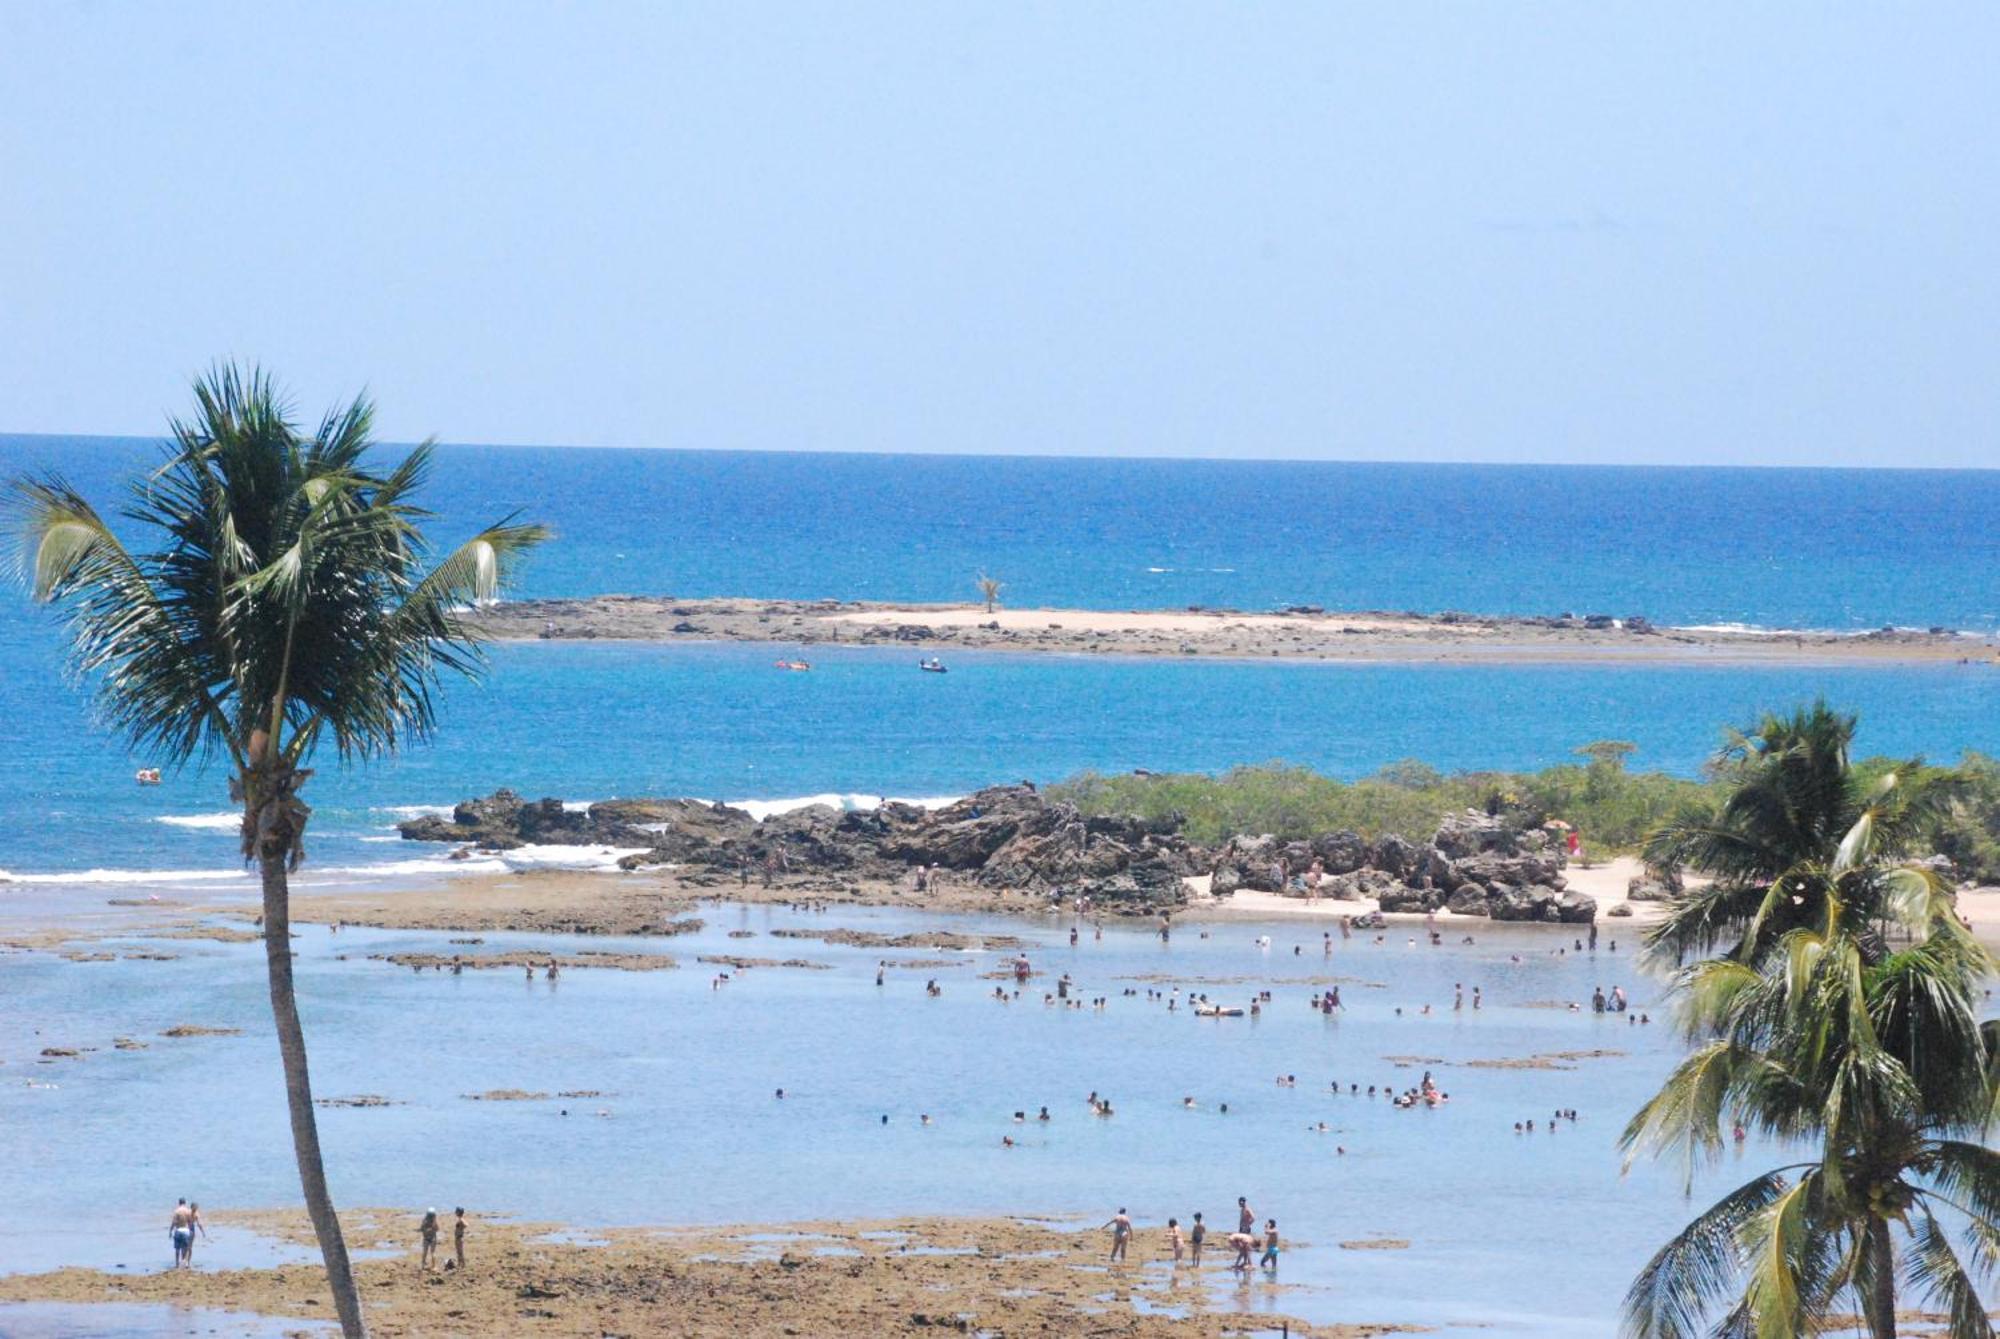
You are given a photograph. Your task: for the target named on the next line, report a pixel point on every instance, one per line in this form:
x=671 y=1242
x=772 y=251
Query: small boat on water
x=794 y=664
x=1216 y=1011
x=931 y=665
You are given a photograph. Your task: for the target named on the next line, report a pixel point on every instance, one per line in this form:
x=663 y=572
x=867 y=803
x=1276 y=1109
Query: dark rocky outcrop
x=1016 y=839
x=1402 y=897
x=1493 y=871
x=1470 y=899
x=1654 y=885
x=1395 y=857
x=1341 y=852
x=1005 y=837
x=1542 y=903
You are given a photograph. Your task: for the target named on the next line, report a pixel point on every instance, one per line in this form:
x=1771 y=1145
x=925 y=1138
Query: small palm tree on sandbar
x=989 y=591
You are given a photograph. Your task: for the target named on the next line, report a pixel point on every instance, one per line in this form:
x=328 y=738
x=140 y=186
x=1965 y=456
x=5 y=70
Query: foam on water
x=846 y=802
x=161 y=876
x=525 y=858
x=225 y=822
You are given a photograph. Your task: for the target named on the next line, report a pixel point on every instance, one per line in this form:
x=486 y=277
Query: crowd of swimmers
x=1561 y=1114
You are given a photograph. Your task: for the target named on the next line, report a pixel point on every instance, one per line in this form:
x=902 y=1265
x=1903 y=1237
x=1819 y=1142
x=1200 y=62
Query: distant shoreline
x=1299 y=633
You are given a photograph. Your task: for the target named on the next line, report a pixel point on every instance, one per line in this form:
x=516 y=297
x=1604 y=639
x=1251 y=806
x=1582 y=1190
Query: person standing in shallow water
x=1121 y=1234
x=200 y=1229
x=180 y=1231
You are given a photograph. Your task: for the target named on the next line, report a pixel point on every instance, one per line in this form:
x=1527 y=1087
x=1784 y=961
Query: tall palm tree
x=280 y=604
x=1812 y=1029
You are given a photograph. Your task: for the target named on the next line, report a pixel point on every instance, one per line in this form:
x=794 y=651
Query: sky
x=1710 y=233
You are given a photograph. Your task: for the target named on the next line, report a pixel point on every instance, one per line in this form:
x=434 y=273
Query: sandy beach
x=1304 y=632
x=902 y=1276
x=1606 y=881
x=654 y=903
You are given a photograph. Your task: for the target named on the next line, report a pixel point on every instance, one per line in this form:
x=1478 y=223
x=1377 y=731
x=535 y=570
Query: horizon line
x=1085 y=457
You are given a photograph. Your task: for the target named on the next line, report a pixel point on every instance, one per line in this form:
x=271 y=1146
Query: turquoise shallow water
x=588 y=722
x=694 y=1134
x=1774 y=547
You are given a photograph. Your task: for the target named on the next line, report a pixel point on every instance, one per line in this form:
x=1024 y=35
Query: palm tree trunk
x=1881 y=1300
x=298 y=1096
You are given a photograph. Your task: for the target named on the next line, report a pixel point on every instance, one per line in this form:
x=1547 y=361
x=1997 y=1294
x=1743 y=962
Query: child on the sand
x=1174 y=1239
x=1197 y=1234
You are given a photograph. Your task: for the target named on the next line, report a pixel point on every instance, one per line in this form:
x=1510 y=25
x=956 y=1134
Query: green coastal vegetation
x=1614 y=807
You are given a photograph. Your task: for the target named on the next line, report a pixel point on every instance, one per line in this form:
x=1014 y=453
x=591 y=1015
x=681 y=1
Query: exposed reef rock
x=1013 y=838
x=1004 y=837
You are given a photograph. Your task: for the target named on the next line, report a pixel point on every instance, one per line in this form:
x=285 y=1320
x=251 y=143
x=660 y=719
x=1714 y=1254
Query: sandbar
x=1301 y=632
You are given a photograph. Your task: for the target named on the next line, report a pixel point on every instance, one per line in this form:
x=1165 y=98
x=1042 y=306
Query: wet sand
x=903 y=1276
x=640 y=903
x=660 y=903
x=1304 y=633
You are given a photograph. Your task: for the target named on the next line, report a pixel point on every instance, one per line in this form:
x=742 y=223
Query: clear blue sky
x=1591 y=231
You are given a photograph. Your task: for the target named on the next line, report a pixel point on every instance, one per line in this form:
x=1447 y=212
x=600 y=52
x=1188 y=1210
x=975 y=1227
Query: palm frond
x=1934 y=1269
x=1685 y=1116
x=1692 y=1274
x=1791 y=1267
x=157 y=680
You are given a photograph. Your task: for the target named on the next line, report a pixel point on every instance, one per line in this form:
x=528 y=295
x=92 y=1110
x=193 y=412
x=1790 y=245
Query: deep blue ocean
x=1775 y=548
